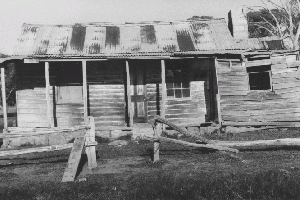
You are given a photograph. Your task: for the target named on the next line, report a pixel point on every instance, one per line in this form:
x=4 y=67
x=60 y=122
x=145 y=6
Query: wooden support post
x=90 y=143
x=47 y=78
x=218 y=95
x=157 y=133
x=164 y=91
x=219 y=108
x=84 y=86
x=4 y=108
x=130 y=111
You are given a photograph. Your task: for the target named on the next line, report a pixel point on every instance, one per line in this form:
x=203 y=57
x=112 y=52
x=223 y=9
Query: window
x=259 y=77
x=178 y=85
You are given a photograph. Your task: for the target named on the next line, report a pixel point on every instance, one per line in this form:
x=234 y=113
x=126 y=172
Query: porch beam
x=4 y=108
x=218 y=98
x=85 y=99
x=47 y=79
x=69 y=60
x=163 y=89
x=113 y=58
x=130 y=113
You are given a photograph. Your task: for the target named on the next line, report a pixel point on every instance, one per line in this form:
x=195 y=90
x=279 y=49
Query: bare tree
x=283 y=20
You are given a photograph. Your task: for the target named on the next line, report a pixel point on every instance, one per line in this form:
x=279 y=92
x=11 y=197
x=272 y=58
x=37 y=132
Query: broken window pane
x=170 y=93
x=186 y=92
x=178 y=93
x=259 y=77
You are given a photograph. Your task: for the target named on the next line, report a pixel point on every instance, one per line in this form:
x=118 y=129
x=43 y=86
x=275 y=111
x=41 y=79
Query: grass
x=181 y=173
x=271 y=184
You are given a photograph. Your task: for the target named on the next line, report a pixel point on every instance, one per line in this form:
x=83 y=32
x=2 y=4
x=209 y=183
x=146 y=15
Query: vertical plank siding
x=239 y=104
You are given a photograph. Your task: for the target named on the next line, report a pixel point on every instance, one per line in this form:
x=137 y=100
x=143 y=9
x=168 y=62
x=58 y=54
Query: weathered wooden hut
x=122 y=74
x=189 y=72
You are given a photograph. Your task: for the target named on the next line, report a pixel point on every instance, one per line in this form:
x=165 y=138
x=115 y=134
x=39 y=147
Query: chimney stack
x=237 y=23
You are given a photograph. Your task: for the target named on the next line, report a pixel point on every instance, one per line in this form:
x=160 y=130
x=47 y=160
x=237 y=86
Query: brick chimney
x=237 y=23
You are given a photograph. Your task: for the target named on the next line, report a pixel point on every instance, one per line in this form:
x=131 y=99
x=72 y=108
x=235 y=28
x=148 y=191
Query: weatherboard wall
x=241 y=105
x=189 y=111
x=107 y=100
x=31 y=96
x=106 y=93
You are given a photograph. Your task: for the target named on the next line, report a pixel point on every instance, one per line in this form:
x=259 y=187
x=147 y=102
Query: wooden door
x=138 y=94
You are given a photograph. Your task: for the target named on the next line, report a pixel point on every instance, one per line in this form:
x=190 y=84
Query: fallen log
x=181 y=130
x=35 y=150
x=279 y=142
x=18 y=134
x=208 y=146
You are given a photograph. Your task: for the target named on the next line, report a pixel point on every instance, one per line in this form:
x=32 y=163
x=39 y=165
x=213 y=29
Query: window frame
x=257 y=72
x=181 y=84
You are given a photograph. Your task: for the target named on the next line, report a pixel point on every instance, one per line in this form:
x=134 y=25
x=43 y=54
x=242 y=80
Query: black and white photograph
x=149 y=99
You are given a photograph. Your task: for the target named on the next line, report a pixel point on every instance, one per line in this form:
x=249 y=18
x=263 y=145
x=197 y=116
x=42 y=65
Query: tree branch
x=260 y=26
x=276 y=20
x=266 y=21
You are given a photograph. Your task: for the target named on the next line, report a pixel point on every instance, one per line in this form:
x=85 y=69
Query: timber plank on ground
x=74 y=159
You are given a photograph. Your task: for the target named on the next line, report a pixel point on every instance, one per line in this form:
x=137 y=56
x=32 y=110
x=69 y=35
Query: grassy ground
x=182 y=173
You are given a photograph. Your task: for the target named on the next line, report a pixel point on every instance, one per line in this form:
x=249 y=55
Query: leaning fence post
x=90 y=144
x=157 y=133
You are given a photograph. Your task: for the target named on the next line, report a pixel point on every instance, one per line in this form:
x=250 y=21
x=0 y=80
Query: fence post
x=157 y=133
x=90 y=144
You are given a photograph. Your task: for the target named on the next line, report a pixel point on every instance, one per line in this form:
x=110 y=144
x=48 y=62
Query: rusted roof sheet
x=159 y=38
x=265 y=43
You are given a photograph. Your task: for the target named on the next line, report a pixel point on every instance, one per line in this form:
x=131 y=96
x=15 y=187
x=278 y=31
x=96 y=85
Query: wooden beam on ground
x=47 y=78
x=130 y=111
x=157 y=133
x=208 y=146
x=85 y=99
x=90 y=143
x=74 y=159
x=260 y=144
x=180 y=130
x=4 y=106
x=35 y=150
x=271 y=124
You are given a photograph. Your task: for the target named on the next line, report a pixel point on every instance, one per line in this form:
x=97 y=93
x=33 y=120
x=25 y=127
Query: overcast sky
x=13 y=13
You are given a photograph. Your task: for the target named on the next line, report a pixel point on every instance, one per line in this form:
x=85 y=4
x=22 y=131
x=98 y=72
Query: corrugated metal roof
x=265 y=43
x=160 y=38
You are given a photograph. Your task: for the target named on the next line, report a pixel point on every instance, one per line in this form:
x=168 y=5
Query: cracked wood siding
x=31 y=96
x=106 y=93
x=239 y=104
x=193 y=110
x=31 y=99
x=154 y=90
x=184 y=111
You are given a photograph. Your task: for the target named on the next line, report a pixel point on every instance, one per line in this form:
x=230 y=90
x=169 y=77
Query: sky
x=13 y=13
